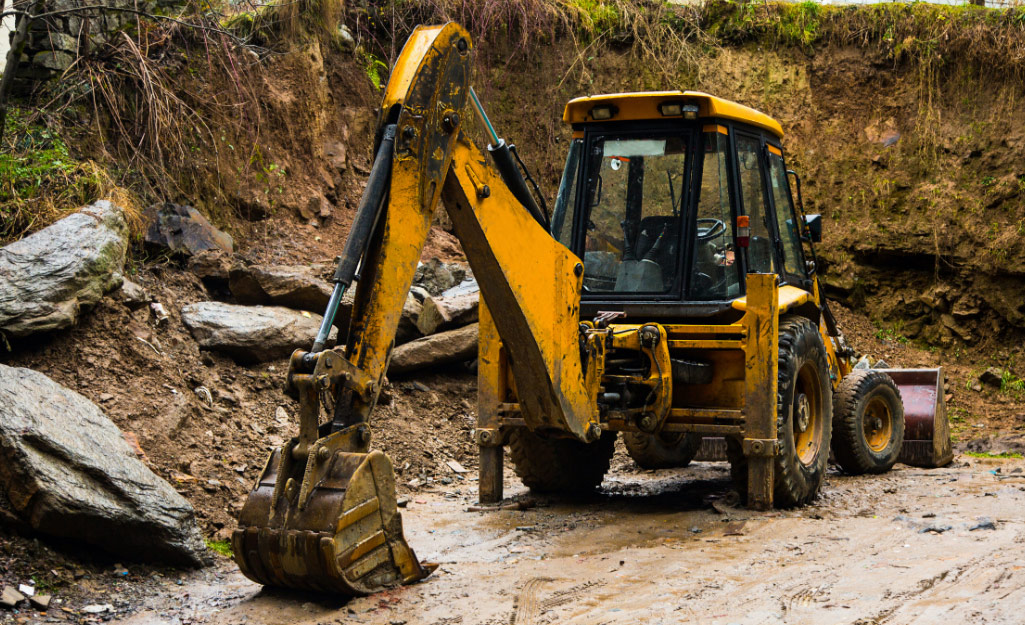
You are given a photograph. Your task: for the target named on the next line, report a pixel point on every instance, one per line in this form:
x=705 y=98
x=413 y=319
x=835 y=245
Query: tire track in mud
x=527 y=608
x=944 y=596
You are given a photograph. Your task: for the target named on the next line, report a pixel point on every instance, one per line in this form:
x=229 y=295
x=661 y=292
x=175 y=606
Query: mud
x=662 y=547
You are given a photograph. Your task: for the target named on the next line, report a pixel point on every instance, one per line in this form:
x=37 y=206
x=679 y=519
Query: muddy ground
x=913 y=546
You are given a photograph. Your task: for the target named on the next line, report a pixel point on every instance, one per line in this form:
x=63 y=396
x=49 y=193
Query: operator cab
x=671 y=198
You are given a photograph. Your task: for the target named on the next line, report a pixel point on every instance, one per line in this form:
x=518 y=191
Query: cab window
x=562 y=215
x=760 y=251
x=634 y=197
x=715 y=274
x=788 y=233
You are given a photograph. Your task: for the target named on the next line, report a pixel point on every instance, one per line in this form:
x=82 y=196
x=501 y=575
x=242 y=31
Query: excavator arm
x=323 y=515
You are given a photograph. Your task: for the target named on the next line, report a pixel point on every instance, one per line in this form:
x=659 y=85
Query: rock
x=443 y=313
x=437 y=349
x=48 y=277
x=983 y=523
x=213 y=267
x=98 y=608
x=437 y=277
x=992 y=376
x=419 y=293
x=952 y=325
x=68 y=471
x=334 y=152
x=407 y=330
x=10 y=597
x=294 y=286
x=133 y=295
x=183 y=230
x=40 y=602
x=251 y=333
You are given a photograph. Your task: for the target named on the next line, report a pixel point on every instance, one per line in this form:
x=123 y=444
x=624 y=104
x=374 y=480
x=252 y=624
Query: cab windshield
x=633 y=196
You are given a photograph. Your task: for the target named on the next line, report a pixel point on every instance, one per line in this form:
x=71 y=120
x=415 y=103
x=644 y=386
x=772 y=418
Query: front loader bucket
x=926 y=431
x=333 y=526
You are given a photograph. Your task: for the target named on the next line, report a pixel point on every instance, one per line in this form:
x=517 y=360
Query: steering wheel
x=707 y=285
x=715 y=228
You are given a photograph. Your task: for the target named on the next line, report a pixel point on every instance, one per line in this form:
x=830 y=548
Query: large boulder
x=435 y=350
x=48 y=277
x=68 y=471
x=183 y=230
x=295 y=286
x=251 y=333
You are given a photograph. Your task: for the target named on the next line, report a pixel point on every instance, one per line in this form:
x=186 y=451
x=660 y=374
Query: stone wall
x=56 y=41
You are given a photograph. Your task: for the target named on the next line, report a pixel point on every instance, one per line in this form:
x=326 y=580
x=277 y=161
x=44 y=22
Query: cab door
x=774 y=245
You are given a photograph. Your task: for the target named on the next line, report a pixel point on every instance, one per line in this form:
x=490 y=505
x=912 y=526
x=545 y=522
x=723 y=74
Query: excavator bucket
x=926 y=431
x=329 y=523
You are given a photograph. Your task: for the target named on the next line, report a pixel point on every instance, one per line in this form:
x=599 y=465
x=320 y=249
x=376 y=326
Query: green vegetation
x=40 y=179
x=1010 y=383
x=222 y=547
x=597 y=15
x=987 y=454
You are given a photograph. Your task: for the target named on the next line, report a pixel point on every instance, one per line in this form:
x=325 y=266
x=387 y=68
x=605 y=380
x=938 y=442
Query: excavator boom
x=323 y=515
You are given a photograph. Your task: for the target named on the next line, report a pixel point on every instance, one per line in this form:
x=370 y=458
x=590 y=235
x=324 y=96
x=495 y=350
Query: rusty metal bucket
x=328 y=522
x=926 y=430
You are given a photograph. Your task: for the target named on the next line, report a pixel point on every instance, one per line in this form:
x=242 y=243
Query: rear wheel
x=803 y=417
x=868 y=425
x=560 y=465
x=663 y=450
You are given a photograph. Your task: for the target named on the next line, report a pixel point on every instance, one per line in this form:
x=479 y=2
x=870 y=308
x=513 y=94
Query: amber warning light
x=743 y=230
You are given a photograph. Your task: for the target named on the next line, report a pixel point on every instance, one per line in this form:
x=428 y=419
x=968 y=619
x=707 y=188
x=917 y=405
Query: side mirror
x=812 y=228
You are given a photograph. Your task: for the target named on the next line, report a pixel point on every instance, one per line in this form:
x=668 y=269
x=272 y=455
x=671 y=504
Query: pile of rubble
x=65 y=467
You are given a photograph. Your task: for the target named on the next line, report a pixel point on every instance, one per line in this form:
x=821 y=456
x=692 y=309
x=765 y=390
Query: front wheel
x=868 y=423
x=804 y=417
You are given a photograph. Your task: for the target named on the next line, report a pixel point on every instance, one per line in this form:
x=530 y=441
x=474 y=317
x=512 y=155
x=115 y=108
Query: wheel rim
x=878 y=424
x=807 y=419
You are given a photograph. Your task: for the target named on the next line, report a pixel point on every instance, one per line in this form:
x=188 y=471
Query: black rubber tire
x=861 y=391
x=665 y=450
x=560 y=465
x=796 y=482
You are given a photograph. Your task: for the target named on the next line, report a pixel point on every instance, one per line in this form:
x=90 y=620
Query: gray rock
x=251 y=333
x=444 y=313
x=407 y=330
x=48 y=277
x=213 y=267
x=437 y=277
x=67 y=469
x=294 y=286
x=183 y=230
x=10 y=597
x=438 y=349
x=992 y=376
x=133 y=295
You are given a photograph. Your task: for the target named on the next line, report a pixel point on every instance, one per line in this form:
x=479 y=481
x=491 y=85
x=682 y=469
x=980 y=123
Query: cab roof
x=644 y=106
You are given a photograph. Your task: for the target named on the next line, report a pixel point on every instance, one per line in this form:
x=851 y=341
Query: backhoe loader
x=670 y=295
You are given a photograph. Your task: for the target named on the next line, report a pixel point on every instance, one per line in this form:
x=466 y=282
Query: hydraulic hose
x=370 y=206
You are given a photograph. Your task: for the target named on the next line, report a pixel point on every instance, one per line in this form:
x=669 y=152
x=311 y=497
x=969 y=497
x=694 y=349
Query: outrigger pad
x=926 y=430
x=339 y=532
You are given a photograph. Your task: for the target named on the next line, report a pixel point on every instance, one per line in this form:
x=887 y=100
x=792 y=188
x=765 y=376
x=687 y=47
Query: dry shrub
x=173 y=108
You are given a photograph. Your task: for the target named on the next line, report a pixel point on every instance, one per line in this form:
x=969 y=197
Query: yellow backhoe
x=671 y=296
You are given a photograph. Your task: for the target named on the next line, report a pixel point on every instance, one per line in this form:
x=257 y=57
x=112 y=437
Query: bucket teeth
x=341 y=532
